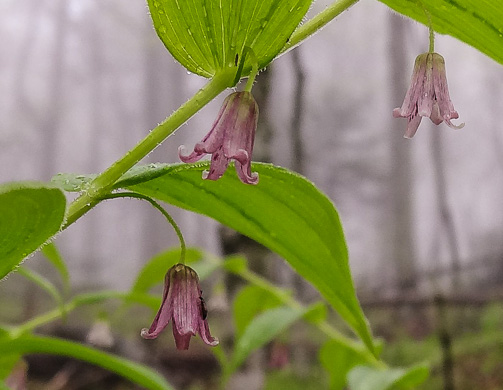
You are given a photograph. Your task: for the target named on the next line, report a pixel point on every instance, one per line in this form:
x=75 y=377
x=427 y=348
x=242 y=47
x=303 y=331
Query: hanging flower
x=182 y=303
x=428 y=95
x=230 y=138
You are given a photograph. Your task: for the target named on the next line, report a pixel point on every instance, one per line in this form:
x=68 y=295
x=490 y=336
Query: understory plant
x=226 y=42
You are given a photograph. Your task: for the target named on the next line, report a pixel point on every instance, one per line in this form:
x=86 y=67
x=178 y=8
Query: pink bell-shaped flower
x=428 y=95
x=183 y=304
x=231 y=138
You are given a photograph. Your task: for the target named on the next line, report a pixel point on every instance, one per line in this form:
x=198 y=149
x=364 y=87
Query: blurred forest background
x=81 y=81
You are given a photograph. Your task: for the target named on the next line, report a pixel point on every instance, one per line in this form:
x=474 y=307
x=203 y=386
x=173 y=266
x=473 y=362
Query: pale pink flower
x=182 y=303
x=231 y=137
x=428 y=95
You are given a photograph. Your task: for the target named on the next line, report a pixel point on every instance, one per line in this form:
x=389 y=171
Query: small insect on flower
x=204 y=311
x=428 y=95
x=182 y=303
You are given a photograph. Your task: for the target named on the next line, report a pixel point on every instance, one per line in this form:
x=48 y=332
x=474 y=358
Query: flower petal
x=412 y=126
x=192 y=157
x=218 y=165
x=182 y=341
x=204 y=332
x=165 y=312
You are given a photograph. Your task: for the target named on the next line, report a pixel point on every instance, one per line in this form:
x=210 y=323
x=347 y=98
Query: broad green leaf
x=476 y=22
x=205 y=36
x=262 y=329
x=277 y=212
x=30 y=214
x=136 y=373
x=51 y=252
x=337 y=359
x=285 y=212
x=368 y=378
x=250 y=301
x=155 y=269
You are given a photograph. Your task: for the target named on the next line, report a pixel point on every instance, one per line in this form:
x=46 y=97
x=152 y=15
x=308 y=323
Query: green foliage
x=250 y=301
x=52 y=254
x=281 y=208
x=30 y=213
x=367 y=378
x=7 y=363
x=262 y=329
x=207 y=36
x=44 y=284
x=139 y=374
x=476 y=22
x=289 y=378
x=338 y=360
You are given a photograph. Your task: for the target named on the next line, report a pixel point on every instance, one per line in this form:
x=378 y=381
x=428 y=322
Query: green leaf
x=136 y=373
x=367 y=378
x=250 y=301
x=262 y=329
x=337 y=359
x=52 y=254
x=155 y=269
x=277 y=212
x=206 y=36
x=30 y=214
x=478 y=23
x=281 y=208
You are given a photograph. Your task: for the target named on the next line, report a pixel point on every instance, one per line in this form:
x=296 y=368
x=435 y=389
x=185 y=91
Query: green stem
x=253 y=72
x=104 y=182
x=79 y=300
x=431 y=48
x=316 y=23
x=43 y=283
x=170 y=219
x=323 y=326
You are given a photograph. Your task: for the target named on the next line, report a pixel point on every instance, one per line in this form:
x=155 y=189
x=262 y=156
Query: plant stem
x=171 y=221
x=253 y=72
x=103 y=183
x=84 y=299
x=316 y=23
x=323 y=326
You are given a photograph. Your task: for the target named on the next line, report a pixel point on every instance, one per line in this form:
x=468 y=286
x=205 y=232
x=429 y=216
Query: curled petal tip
x=453 y=126
x=397 y=113
x=190 y=158
x=145 y=333
x=214 y=342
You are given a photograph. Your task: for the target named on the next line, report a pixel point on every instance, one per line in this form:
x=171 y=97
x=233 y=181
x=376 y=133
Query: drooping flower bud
x=428 y=95
x=231 y=138
x=182 y=303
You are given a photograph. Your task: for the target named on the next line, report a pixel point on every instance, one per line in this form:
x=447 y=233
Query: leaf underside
x=478 y=23
x=207 y=35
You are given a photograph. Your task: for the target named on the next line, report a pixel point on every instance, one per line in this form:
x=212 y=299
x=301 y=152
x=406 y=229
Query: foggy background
x=82 y=81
